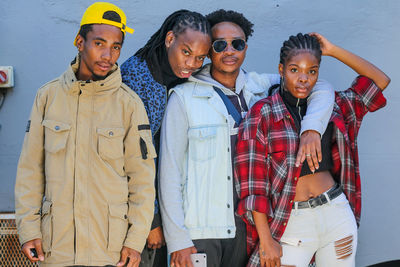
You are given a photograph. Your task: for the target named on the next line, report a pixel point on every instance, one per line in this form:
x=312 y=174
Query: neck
x=84 y=74
x=227 y=79
x=292 y=100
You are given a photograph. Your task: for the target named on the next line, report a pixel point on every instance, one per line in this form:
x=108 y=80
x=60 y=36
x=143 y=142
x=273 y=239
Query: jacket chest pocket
x=202 y=143
x=56 y=135
x=110 y=147
x=117 y=226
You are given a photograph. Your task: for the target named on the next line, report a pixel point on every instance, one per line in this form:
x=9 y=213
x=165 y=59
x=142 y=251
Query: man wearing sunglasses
x=198 y=137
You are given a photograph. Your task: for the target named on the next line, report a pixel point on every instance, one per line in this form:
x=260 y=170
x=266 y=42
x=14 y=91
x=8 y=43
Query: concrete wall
x=36 y=38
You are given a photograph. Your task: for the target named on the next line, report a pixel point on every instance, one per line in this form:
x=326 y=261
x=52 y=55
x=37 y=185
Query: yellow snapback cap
x=94 y=15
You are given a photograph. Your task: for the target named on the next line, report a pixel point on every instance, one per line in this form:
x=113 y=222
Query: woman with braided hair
x=170 y=56
x=291 y=211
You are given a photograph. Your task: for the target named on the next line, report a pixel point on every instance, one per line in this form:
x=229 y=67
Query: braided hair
x=177 y=22
x=298 y=44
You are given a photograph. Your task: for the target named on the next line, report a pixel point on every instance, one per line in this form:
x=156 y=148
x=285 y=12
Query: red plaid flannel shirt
x=265 y=171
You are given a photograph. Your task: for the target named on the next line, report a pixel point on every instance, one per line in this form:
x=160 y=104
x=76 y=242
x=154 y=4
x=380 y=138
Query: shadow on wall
x=387 y=264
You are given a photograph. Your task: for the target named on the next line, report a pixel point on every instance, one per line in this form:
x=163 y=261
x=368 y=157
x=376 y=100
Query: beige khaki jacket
x=85 y=179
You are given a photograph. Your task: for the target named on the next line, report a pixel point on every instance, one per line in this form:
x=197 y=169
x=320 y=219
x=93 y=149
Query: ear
x=169 y=39
x=280 y=69
x=80 y=42
x=210 y=51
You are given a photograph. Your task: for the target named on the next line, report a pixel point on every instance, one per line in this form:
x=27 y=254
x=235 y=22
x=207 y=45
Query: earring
x=282 y=84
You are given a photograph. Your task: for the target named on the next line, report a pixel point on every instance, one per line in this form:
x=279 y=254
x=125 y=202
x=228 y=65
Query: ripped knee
x=344 y=247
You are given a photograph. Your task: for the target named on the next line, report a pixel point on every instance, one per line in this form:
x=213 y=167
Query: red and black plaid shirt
x=265 y=171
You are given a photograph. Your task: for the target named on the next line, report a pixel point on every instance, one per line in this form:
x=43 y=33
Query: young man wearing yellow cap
x=84 y=191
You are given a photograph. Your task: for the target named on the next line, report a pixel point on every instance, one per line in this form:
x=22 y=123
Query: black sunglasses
x=220 y=45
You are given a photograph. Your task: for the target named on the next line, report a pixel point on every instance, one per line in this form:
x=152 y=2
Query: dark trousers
x=154 y=257
x=229 y=252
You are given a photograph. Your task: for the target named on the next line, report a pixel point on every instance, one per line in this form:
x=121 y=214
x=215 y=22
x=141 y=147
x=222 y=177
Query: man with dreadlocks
x=171 y=55
x=198 y=136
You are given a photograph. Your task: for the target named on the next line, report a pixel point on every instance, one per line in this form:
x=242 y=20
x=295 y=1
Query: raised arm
x=358 y=64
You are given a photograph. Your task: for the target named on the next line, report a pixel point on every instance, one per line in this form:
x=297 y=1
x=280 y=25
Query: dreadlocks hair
x=110 y=15
x=177 y=22
x=298 y=44
x=223 y=15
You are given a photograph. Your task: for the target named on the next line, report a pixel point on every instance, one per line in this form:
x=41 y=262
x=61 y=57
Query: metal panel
x=10 y=249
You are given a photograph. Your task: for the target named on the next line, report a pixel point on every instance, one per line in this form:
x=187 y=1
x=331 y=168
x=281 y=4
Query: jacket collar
x=278 y=107
x=203 y=77
x=70 y=83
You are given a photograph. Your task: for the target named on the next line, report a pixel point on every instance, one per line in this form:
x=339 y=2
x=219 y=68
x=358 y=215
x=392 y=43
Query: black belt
x=332 y=193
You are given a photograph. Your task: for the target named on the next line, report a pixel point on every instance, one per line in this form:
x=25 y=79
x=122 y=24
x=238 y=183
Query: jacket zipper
x=299 y=108
x=76 y=135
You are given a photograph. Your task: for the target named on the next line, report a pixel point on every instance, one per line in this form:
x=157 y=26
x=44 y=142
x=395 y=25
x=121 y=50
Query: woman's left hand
x=310 y=149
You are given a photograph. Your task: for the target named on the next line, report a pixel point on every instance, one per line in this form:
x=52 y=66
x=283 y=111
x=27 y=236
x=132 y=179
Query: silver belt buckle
x=314 y=202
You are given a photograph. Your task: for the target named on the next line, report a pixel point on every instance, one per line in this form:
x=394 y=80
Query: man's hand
x=156 y=238
x=310 y=149
x=35 y=244
x=270 y=254
x=181 y=258
x=130 y=257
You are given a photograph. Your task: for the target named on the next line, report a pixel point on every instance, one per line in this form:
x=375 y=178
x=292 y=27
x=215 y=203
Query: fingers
x=278 y=262
x=315 y=34
x=269 y=262
x=173 y=259
x=133 y=260
x=319 y=152
x=124 y=257
x=39 y=250
x=187 y=262
x=313 y=155
x=156 y=238
x=26 y=249
x=310 y=149
x=301 y=156
x=181 y=258
x=154 y=245
x=33 y=250
x=262 y=258
x=310 y=161
x=129 y=257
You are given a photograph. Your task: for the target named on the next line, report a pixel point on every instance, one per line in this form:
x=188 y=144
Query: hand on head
x=326 y=46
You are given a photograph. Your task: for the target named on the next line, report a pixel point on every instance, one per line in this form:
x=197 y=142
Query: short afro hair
x=223 y=15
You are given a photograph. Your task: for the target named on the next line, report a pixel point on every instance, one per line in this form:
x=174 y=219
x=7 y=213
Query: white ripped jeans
x=329 y=231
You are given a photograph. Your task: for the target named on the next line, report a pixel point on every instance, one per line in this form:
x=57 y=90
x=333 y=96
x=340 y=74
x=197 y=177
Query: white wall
x=36 y=38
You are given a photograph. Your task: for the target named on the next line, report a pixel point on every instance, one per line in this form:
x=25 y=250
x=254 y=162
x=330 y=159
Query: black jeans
x=229 y=252
x=154 y=257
